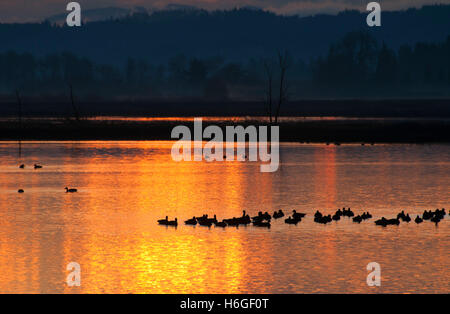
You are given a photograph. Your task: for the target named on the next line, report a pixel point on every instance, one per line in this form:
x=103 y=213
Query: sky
x=38 y=10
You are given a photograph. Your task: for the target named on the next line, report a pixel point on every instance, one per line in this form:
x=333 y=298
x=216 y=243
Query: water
x=109 y=226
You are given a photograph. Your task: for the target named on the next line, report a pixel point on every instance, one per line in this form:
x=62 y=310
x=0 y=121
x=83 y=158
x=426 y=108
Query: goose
x=427 y=215
x=381 y=222
x=406 y=218
x=393 y=221
x=22 y=166
x=205 y=223
x=36 y=166
x=296 y=215
x=191 y=222
x=291 y=221
x=336 y=217
x=435 y=219
x=20 y=191
x=261 y=224
x=418 y=220
x=163 y=221
x=173 y=223
x=278 y=214
x=222 y=224
x=70 y=190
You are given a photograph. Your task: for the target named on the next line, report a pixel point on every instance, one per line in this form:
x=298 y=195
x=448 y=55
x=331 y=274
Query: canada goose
x=20 y=191
x=167 y=222
x=163 y=221
x=261 y=224
x=381 y=222
x=173 y=223
x=406 y=218
x=336 y=217
x=222 y=224
x=291 y=221
x=418 y=220
x=36 y=166
x=393 y=221
x=70 y=190
x=296 y=215
x=191 y=222
x=205 y=223
x=435 y=219
x=278 y=214
x=22 y=166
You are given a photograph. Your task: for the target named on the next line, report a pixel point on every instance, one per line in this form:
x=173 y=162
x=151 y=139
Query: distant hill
x=93 y=15
x=237 y=34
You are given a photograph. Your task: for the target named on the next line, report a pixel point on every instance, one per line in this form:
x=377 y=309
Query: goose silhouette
x=261 y=224
x=22 y=166
x=278 y=214
x=20 y=191
x=70 y=190
x=221 y=224
x=291 y=221
x=191 y=222
x=36 y=166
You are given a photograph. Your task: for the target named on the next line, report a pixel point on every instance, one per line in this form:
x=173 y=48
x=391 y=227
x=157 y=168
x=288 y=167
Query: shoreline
x=309 y=131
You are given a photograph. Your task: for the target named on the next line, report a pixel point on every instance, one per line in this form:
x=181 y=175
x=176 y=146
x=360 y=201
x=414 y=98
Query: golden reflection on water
x=109 y=226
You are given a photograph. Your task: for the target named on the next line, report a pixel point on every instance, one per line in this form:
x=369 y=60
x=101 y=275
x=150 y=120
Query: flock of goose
x=264 y=219
x=36 y=166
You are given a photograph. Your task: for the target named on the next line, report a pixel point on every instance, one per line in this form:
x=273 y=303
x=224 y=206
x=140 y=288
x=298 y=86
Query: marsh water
x=109 y=227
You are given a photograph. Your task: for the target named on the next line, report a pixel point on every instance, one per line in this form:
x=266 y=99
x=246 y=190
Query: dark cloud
x=26 y=10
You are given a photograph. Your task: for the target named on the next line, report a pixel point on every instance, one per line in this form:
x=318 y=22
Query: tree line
x=355 y=66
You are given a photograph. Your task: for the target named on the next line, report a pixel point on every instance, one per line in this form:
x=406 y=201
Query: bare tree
x=269 y=92
x=74 y=107
x=283 y=65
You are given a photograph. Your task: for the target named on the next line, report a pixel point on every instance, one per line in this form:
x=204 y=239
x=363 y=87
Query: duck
x=191 y=222
x=22 y=166
x=336 y=217
x=418 y=220
x=21 y=191
x=70 y=190
x=357 y=219
x=36 y=166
